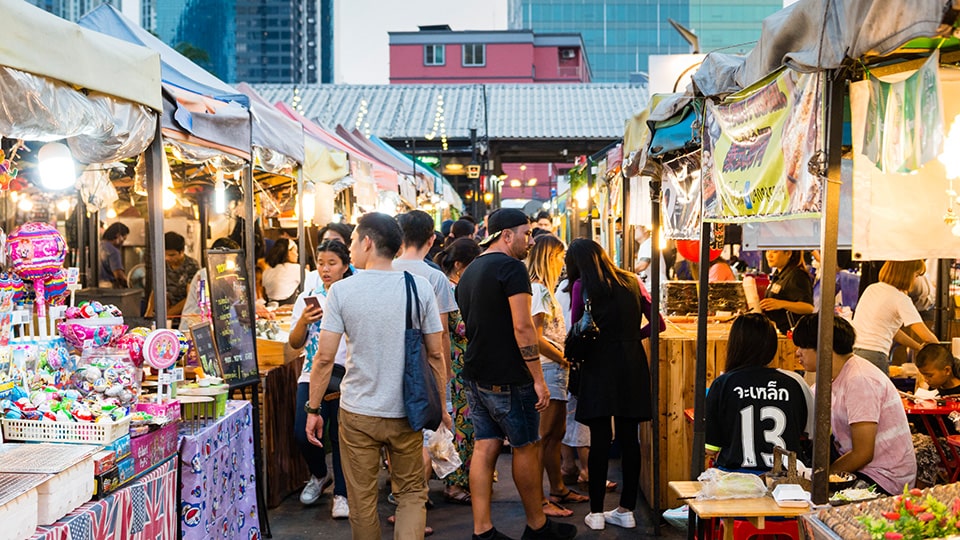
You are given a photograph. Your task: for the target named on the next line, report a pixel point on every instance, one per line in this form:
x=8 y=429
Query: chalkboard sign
x=233 y=323
x=206 y=349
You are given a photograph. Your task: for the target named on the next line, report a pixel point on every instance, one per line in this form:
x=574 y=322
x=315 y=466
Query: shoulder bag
x=581 y=338
x=421 y=399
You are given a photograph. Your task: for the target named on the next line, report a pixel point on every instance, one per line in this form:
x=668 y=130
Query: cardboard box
x=127 y=470
x=103 y=461
x=163 y=413
x=120 y=447
x=154 y=447
x=106 y=483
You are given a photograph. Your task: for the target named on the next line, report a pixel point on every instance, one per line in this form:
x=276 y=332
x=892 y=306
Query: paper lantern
x=690 y=249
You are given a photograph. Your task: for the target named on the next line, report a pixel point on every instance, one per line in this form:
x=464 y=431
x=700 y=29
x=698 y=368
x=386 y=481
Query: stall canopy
x=77 y=56
x=435 y=182
x=272 y=130
x=792 y=37
x=177 y=69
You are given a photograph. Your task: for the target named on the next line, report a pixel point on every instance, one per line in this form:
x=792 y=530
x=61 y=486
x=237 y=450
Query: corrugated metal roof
x=516 y=111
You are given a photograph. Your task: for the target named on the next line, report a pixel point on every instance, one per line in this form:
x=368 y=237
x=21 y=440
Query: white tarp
x=900 y=216
x=792 y=37
x=43 y=44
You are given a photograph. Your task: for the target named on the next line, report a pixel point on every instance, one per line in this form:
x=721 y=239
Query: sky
x=361 y=47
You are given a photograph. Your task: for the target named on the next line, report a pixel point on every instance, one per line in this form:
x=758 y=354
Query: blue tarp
x=175 y=68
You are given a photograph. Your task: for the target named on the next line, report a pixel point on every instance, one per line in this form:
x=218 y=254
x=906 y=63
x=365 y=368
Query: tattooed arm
x=526 y=335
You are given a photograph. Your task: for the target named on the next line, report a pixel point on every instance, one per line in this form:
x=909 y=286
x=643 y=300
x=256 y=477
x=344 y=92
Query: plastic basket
x=47 y=431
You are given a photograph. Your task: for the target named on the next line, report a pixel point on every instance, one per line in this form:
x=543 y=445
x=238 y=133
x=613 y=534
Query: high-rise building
x=72 y=10
x=262 y=41
x=620 y=34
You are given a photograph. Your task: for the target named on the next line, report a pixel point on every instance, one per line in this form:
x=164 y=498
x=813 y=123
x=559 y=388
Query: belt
x=494 y=387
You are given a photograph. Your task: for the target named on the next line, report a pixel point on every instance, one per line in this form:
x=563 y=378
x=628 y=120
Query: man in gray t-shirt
x=370 y=309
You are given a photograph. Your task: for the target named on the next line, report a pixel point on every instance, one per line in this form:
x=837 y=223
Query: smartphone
x=312 y=301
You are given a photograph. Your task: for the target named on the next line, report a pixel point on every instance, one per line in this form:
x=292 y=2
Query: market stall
x=749 y=90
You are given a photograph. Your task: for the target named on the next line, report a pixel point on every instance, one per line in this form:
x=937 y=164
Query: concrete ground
x=292 y=521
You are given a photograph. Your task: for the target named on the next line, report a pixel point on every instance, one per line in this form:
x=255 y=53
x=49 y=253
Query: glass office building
x=620 y=34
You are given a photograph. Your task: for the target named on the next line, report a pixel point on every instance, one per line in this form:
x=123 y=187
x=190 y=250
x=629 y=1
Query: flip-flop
x=552 y=509
x=570 y=497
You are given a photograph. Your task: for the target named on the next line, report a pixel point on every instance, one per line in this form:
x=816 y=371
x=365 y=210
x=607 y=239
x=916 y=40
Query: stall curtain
x=756 y=148
x=901 y=216
x=98 y=128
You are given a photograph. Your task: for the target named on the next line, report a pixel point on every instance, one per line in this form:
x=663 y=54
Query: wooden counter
x=678 y=356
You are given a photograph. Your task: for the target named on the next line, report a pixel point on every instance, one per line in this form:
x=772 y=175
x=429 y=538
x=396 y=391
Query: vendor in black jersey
x=752 y=407
x=790 y=293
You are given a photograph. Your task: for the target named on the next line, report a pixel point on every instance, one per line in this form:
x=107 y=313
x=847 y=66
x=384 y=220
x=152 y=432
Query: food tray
x=42 y=458
x=75 y=432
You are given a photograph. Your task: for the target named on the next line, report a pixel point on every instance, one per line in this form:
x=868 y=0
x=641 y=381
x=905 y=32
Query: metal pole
x=943 y=311
x=700 y=376
x=204 y=215
x=626 y=240
x=833 y=94
x=154 y=156
x=301 y=235
x=654 y=317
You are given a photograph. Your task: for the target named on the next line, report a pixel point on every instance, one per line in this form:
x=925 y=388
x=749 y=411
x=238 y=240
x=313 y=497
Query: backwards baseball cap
x=502 y=219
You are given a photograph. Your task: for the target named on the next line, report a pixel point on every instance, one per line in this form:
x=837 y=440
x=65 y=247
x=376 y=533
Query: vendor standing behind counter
x=790 y=293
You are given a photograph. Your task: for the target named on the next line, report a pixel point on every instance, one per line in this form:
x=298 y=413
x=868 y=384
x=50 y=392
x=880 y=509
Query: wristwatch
x=310 y=410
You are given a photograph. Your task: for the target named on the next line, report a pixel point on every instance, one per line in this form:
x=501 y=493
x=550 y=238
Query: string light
x=439 y=124
x=361 y=115
x=297 y=101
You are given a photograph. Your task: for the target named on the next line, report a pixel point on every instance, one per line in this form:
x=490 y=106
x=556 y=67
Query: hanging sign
x=680 y=202
x=756 y=148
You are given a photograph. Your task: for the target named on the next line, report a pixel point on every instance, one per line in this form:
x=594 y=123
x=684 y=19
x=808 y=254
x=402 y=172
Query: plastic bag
x=443 y=453
x=716 y=484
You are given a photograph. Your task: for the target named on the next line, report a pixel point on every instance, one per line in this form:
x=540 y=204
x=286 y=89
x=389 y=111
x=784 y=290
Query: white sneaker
x=620 y=519
x=341 y=510
x=595 y=521
x=312 y=491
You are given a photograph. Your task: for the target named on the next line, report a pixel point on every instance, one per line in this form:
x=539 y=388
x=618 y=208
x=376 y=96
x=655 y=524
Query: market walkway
x=291 y=521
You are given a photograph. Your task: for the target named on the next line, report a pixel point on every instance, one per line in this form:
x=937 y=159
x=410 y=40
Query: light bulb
x=63 y=205
x=546 y=205
x=25 y=204
x=111 y=213
x=169 y=199
x=956 y=229
x=219 y=194
x=56 y=166
x=309 y=202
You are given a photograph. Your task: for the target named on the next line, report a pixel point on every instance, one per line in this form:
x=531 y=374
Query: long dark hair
x=752 y=342
x=462 y=250
x=342 y=251
x=587 y=261
x=278 y=253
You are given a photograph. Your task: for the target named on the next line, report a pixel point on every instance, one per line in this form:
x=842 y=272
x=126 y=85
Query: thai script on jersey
x=768 y=392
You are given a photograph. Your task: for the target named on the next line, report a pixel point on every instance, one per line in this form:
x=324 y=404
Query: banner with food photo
x=903 y=128
x=756 y=147
x=680 y=202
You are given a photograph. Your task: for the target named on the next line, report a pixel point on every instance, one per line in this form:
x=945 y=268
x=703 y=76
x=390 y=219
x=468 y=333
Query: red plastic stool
x=773 y=530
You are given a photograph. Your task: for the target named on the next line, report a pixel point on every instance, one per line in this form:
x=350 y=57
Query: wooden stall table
x=678 y=357
x=932 y=414
x=285 y=471
x=754 y=510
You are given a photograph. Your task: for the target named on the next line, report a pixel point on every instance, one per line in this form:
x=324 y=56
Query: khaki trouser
x=361 y=438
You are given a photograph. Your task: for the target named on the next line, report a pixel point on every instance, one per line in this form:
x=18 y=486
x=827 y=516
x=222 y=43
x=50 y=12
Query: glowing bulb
x=63 y=205
x=25 y=204
x=14 y=196
x=546 y=205
x=956 y=229
x=56 y=166
x=111 y=213
x=950 y=157
x=219 y=194
x=515 y=183
x=582 y=195
x=309 y=202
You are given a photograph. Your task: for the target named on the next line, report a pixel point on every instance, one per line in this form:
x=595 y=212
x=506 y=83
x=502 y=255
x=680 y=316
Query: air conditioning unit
x=568 y=54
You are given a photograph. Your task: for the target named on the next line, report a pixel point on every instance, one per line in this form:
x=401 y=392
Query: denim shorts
x=556 y=378
x=504 y=412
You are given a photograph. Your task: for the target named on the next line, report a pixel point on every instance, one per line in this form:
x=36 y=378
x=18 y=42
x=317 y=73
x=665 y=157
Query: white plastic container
x=65 y=492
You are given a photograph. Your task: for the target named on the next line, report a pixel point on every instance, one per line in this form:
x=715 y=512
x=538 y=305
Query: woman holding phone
x=333 y=264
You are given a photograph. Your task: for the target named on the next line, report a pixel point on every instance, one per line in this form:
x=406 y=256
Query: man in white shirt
x=644 y=254
x=418 y=238
x=370 y=309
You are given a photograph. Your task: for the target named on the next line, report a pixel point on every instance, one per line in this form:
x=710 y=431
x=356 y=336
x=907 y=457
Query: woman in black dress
x=615 y=377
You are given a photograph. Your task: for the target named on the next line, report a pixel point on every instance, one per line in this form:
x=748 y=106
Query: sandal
x=427 y=530
x=457 y=496
x=552 y=509
x=570 y=497
x=611 y=486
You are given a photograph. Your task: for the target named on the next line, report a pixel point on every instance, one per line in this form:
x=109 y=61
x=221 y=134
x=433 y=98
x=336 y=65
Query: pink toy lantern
x=36 y=251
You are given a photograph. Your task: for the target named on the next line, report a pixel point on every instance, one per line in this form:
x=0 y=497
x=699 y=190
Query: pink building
x=438 y=55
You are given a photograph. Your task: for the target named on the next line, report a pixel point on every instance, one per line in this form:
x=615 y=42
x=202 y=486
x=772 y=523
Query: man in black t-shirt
x=502 y=371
